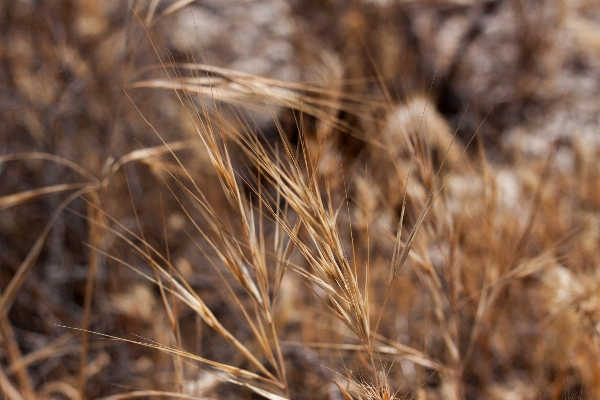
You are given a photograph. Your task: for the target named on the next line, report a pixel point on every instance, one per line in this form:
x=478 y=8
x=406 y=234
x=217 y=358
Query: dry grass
x=174 y=228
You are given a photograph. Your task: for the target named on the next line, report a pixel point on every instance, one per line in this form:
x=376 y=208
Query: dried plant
x=234 y=235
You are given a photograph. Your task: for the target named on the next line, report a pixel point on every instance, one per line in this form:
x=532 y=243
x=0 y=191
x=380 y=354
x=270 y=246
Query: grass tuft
x=415 y=217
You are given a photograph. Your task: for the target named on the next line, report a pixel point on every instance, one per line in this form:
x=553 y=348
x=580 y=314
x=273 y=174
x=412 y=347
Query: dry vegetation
x=418 y=219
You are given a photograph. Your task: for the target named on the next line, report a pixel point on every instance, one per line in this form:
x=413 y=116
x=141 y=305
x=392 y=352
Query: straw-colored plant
x=260 y=238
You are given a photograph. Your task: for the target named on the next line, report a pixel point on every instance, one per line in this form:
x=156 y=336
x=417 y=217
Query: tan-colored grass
x=357 y=246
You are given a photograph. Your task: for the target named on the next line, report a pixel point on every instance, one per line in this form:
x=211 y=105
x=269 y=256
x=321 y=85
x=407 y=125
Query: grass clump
x=241 y=236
